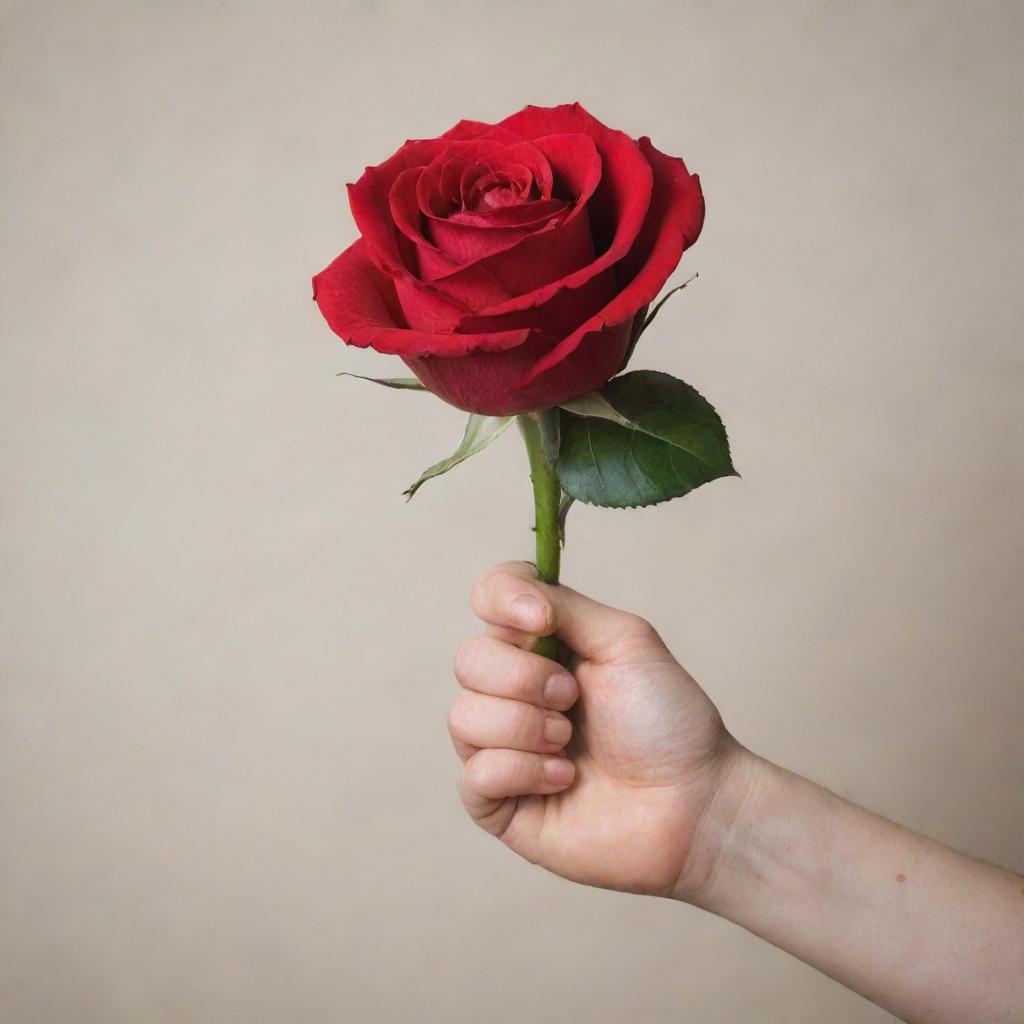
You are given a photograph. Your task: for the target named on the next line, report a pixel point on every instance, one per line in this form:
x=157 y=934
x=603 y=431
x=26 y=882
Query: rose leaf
x=644 y=438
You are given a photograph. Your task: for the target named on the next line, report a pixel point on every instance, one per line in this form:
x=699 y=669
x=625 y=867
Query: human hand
x=625 y=777
x=602 y=778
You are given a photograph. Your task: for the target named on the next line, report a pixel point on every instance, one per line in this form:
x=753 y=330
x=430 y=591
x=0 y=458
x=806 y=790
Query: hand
x=625 y=777
x=602 y=778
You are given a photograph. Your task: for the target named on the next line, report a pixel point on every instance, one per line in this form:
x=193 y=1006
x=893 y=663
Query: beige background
x=226 y=641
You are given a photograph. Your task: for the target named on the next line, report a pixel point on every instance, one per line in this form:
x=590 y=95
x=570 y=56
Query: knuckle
x=478 y=595
x=503 y=575
x=458 y=717
x=526 y=694
x=481 y=773
x=525 y=721
x=483 y=588
x=467 y=657
x=635 y=627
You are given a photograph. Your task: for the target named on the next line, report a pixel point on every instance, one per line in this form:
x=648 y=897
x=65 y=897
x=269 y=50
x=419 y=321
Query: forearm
x=929 y=933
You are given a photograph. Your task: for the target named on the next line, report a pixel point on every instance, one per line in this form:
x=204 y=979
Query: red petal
x=533 y=214
x=575 y=164
x=481 y=382
x=672 y=226
x=551 y=254
x=479 y=129
x=588 y=367
x=360 y=305
x=559 y=317
x=527 y=155
x=446 y=230
x=466 y=244
x=618 y=206
x=369 y=196
x=368 y=199
x=488 y=382
x=405 y=213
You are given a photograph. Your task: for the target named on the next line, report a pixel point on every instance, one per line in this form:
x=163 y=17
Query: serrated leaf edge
x=594 y=410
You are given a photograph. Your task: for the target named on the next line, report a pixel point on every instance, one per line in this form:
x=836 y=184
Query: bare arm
x=930 y=934
x=623 y=775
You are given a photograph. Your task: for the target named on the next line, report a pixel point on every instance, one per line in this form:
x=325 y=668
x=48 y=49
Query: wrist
x=727 y=815
x=766 y=849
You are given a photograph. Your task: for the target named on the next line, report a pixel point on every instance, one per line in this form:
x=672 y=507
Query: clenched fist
x=602 y=774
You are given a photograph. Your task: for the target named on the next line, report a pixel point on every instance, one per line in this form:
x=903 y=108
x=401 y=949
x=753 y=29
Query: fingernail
x=559 y=771
x=560 y=690
x=529 y=611
x=557 y=731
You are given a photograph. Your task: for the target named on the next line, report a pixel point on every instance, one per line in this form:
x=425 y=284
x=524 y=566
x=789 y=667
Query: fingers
x=478 y=720
x=487 y=665
x=507 y=727
x=511 y=598
x=494 y=775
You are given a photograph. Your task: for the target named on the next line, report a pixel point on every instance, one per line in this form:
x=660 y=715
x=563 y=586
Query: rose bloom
x=511 y=265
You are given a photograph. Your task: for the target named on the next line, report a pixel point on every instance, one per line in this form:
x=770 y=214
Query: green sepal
x=480 y=432
x=661 y=302
x=564 y=505
x=400 y=383
x=644 y=319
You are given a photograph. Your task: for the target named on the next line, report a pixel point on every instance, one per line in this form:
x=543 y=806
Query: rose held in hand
x=511 y=265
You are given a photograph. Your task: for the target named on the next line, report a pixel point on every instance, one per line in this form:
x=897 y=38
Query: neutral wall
x=226 y=640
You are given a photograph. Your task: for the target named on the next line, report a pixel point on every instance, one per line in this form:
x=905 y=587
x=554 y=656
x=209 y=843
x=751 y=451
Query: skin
x=621 y=774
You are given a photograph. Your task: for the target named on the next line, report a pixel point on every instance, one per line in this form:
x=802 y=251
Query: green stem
x=539 y=428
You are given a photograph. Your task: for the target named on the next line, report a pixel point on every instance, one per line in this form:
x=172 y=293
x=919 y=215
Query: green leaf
x=401 y=383
x=643 y=439
x=480 y=432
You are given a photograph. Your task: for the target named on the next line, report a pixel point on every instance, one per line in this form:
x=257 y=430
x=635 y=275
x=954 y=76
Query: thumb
x=511 y=596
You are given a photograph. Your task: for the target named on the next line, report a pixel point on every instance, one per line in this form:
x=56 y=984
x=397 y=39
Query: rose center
x=496 y=197
x=497 y=190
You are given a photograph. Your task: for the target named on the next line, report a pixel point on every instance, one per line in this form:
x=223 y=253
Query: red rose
x=509 y=264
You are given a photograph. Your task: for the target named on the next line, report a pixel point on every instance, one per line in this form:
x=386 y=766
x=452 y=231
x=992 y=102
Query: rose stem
x=547 y=495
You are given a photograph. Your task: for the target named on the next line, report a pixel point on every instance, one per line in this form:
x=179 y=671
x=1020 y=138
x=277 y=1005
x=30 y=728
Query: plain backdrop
x=227 y=789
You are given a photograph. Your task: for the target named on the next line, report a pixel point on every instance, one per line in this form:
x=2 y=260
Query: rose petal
x=430 y=194
x=533 y=214
x=481 y=383
x=360 y=305
x=559 y=317
x=513 y=179
x=368 y=199
x=479 y=129
x=575 y=165
x=489 y=382
x=369 y=196
x=524 y=154
x=551 y=254
x=466 y=244
x=672 y=226
x=444 y=229
x=436 y=246
x=405 y=212
x=618 y=206
x=588 y=367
